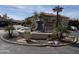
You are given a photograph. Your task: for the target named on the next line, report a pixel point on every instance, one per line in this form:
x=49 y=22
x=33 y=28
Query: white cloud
x=21 y=11
x=20 y=6
x=32 y=8
x=16 y=17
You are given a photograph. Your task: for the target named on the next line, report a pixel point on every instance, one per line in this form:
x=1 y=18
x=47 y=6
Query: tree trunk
x=57 y=22
x=9 y=33
x=61 y=35
x=57 y=19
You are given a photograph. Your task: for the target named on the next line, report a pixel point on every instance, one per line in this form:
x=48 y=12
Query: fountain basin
x=39 y=35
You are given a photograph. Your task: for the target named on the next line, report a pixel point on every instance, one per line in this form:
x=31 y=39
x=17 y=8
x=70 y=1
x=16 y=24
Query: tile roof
x=52 y=15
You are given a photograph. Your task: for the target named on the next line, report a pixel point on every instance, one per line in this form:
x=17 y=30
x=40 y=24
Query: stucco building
x=49 y=20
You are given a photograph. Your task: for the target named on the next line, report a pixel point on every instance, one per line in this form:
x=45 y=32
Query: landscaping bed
x=35 y=42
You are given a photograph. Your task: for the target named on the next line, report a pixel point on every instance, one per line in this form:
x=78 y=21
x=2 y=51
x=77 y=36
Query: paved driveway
x=18 y=49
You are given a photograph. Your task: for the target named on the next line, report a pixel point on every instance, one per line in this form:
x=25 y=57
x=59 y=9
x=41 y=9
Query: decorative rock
x=34 y=41
x=50 y=42
x=22 y=40
x=56 y=42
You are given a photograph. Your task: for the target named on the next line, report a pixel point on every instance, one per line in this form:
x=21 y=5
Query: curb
x=12 y=42
x=38 y=45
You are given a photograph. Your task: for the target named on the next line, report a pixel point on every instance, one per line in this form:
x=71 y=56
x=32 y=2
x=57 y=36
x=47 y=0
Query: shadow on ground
x=75 y=45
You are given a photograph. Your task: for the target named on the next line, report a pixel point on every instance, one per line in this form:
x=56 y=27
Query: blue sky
x=19 y=12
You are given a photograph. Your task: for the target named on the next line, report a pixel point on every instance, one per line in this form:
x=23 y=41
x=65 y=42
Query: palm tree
x=62 y=29
x=57 y=9
x=10 y=29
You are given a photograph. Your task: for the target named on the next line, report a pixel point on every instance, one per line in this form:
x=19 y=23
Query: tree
x=42 y=15
x=57 y=9
x=28 y=22
x=73 y=22
x=36 y=15
x=10 y=29
x=62 y=29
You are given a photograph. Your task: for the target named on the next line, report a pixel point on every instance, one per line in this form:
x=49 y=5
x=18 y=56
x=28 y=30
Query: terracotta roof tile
x=52 y=15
